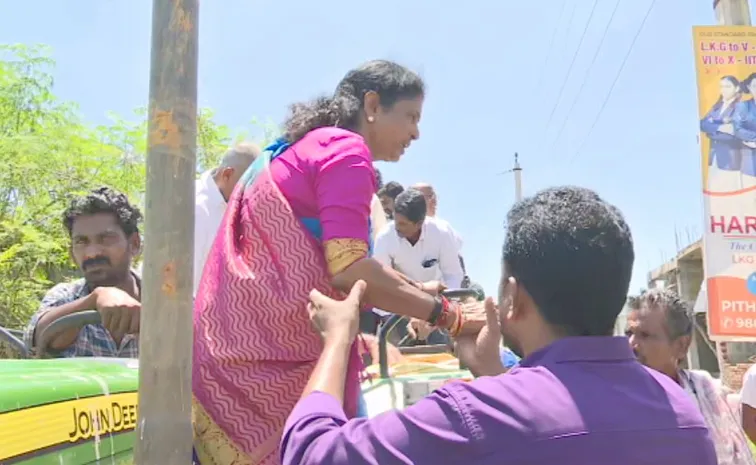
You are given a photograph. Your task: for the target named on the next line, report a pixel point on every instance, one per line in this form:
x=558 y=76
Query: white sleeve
x=446 y=227
x=748 y=392
x=451 y=268
x=457 y=238
x=382 y=246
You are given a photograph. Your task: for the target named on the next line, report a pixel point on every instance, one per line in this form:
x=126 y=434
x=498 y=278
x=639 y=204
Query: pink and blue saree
x=299 y=216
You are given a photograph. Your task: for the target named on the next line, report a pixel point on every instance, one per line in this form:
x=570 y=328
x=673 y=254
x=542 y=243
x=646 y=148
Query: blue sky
x=493 y=81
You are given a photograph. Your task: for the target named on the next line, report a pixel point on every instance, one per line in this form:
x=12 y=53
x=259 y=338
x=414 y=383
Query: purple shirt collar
x=581 y=349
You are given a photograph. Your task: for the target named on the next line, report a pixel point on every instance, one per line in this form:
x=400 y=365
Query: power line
x=614 y=83
x=572 y=64
x=543 y=71
x=551 y=45
x=534 y=111
x=569 y=26
x=587 y=73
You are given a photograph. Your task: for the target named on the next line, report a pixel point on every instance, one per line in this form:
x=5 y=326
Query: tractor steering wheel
x=74 y=320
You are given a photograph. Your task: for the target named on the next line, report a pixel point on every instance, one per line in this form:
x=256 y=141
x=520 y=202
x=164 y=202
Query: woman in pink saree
x=299 y=220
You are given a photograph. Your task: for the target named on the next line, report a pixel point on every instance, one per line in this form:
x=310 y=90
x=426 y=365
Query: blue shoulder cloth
x=275 y=149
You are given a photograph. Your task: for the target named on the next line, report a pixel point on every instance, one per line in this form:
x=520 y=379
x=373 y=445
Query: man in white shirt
x=212 y=191
x=416 y=246
x=431 y=201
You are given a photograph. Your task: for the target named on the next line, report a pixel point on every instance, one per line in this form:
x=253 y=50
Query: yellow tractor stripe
x=31 y=429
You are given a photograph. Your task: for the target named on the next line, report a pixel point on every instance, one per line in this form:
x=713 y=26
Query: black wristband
x=438 y=309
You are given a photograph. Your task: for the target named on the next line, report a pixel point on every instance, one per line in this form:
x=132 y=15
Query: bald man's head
x=430 y=196
x=233 y=165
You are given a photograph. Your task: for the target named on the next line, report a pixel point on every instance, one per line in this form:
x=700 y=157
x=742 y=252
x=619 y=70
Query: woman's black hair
x=747 y=82
x=391 y=81
x=732 y=80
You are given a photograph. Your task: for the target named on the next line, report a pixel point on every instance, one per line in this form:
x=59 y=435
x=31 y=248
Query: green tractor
x=82 y=411
x=73 y=411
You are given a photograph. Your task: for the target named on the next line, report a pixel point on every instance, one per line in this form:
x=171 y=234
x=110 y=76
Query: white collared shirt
x=435 y=256
x=447 y=227
x=209 y=208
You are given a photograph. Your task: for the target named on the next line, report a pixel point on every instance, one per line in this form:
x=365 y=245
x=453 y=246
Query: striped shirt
x=93 y=340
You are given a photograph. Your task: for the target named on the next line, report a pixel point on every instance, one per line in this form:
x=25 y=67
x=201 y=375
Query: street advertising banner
x=726 y=76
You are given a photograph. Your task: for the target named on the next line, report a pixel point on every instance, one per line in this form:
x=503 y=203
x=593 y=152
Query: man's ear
x=227 y=173
x=511 y=298
x=135 y=244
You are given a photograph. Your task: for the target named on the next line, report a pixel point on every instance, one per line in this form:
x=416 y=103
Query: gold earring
x=371 y=119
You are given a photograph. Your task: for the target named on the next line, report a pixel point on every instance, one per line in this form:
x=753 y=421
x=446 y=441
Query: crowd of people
x=300 y=248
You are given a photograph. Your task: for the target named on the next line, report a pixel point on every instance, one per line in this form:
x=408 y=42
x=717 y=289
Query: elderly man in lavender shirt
x=578 y=397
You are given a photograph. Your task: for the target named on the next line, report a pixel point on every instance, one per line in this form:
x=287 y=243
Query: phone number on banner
x=740 y=323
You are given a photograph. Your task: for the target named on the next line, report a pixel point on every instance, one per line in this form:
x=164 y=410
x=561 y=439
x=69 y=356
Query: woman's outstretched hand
x=337 y=320
x=475 y=318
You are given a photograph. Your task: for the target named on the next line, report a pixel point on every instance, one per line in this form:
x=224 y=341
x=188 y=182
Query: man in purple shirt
x=578 y=397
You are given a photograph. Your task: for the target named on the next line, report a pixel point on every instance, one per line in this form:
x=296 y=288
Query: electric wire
x=579 y=93
x=614 y=83
x=572 y=65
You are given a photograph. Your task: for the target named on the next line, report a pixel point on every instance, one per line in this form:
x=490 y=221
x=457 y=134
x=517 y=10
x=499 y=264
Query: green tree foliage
x=48 y=154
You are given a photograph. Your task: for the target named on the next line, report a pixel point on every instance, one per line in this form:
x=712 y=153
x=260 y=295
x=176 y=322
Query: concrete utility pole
x=517 y=172
x=164 y=431
x=732 y=13
x=518 y=178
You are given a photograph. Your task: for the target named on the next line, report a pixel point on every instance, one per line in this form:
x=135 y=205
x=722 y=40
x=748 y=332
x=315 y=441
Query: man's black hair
x=411 y=205
x=104 y=200
x=392 y=189
x=573 y=252
x=378 y=179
